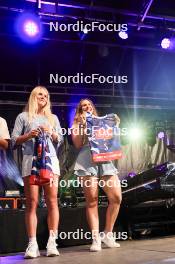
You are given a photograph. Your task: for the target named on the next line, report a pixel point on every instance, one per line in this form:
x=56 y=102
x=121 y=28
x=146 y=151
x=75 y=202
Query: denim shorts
x=84 y=165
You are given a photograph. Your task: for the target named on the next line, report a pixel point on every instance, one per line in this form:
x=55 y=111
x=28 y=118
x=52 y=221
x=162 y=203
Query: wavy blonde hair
x=32 y=105
x=79 y=110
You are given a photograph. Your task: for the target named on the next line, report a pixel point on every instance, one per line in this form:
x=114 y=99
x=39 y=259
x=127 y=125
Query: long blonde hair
x=32 y=106
x=79 y=111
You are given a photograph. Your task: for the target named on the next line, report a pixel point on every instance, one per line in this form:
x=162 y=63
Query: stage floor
x=150 y=251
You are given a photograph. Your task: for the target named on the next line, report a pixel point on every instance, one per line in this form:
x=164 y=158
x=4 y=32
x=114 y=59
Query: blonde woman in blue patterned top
x=37 y=114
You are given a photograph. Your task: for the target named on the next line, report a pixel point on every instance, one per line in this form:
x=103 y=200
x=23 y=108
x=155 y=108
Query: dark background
x=149 y=93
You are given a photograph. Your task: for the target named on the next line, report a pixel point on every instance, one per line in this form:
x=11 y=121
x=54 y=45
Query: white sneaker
x=52 y=250
x=96 y=244
x=32 y=250
x=109 y=240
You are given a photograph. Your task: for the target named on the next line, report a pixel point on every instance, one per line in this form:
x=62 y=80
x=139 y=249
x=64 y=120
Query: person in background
x=37 y=116
x=4 y=134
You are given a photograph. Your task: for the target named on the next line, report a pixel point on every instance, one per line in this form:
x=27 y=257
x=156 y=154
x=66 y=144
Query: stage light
x=123 y=34
x=165 y=43
x=31 y=28
x=135 y=133
x=132 y=174
x=161 y=135
x=28 y=27
x=85 y=30
x=71 y=116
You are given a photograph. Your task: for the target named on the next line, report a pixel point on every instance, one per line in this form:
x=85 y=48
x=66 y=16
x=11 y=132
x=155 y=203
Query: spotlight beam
x=145 y=14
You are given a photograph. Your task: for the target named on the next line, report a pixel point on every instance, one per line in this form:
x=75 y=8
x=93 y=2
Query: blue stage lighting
x=123 y=34
x=28 y=27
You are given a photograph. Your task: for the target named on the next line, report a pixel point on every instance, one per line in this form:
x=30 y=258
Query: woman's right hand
x=33 y=133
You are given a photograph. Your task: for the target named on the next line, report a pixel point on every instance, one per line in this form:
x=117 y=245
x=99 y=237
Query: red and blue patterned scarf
x=41 y=172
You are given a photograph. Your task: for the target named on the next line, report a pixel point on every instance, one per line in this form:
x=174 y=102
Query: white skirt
x=27 y=165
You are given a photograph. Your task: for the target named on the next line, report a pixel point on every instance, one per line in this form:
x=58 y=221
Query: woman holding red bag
x=38 y=117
